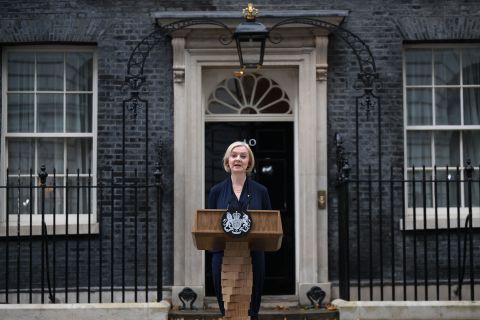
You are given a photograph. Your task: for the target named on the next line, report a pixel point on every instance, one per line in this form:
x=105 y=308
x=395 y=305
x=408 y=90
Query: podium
x=265 y=235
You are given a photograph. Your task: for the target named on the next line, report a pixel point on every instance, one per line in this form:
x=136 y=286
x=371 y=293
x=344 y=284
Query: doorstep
x=265 y=314
x=273 y=308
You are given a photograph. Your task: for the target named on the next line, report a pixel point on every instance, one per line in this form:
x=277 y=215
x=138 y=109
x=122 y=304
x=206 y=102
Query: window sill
x=442 y=220
x=24 y=231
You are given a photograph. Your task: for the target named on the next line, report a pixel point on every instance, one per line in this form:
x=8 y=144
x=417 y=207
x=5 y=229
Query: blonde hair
x=251 y=158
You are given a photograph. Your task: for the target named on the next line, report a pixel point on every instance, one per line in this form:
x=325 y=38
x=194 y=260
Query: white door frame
x=306 y=52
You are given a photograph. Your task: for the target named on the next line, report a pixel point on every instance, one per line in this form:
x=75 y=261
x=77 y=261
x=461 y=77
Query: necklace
x=237 y=190
x=237 y=185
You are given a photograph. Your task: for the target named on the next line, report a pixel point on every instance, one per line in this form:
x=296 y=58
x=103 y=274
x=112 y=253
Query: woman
x=238 y=191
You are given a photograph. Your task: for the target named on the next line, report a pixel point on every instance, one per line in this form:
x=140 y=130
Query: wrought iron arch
x=135 y=78
x=368 y=70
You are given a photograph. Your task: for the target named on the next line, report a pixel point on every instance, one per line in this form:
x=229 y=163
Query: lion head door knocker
x=236 y=223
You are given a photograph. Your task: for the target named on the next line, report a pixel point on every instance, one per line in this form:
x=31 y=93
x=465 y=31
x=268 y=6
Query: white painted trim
x=254 y=118
x=321 y=48
x=60 y=229
x=442 y=221
x=402 y=310
x=310 y=127
x=24 y=220
x=3 y=159
x=429 y=222
x=87 y=311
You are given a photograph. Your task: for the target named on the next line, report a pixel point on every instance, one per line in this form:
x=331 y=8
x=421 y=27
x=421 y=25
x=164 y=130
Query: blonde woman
x=240 y=192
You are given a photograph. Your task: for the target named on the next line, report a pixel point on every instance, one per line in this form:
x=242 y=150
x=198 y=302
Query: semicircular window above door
x=251 y=94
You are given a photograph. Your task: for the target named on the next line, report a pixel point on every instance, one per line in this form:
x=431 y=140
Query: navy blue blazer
x=254 y=196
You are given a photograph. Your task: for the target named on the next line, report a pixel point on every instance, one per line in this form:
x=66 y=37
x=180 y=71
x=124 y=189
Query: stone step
x=268 y=302
x=265 y=314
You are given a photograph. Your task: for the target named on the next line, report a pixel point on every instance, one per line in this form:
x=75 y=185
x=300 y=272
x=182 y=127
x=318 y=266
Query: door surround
x=302 y=48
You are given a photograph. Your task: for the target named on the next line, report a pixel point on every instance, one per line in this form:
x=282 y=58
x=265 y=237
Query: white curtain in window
x=50 y=73
x=447 y=66
x=419 y=106
x=49 y=112
x=471 y=146
x=21 y=71
x=471 y=105
x=418 y=64
x=447 y=106
x=419 y=148
x=20 y=112
x=79 y=155
x=447 y=148
x=50 y=153
x=21 y=156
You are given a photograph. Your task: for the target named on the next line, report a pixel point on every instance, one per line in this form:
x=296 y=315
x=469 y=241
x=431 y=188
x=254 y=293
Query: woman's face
x=238 y=160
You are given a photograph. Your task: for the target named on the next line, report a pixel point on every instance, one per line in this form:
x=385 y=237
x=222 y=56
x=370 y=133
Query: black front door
x=272 y=145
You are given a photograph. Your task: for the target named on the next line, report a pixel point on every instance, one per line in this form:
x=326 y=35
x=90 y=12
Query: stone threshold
x=265 y=314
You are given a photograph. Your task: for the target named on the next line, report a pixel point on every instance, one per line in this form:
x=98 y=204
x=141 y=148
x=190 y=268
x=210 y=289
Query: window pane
x=475 y=191
x=471 y=105
x=21 y=70
x=50 y=71
x=419 y=106
x=50 y=112
x=423 y=190
x=248 y=83
x=78 y=195
x=79 y=69
x=447 y=66
x=20 y=112
x=216 y=107
x=447 y=106
x=79 y=113
x=50 y=154
x=21 y=156
x=418 y=63
x=447 y=148
x=273 y=94
x=79 y=155
x=447 y=183
x=19 y=197
x=53 y=197
x=419 y=148
x=471 y=147
x=471 y=66
x=231 y=95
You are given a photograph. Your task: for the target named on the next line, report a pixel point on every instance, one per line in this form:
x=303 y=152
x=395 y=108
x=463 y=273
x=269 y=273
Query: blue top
x=254 y=196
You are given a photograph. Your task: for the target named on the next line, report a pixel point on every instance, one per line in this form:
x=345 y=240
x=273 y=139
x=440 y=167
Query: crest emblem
x=236 y=224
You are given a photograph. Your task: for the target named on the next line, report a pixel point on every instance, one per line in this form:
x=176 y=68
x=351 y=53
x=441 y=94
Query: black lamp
x=250 y=37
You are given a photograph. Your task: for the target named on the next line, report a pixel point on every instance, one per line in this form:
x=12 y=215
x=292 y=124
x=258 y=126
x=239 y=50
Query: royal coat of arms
x=236 y=224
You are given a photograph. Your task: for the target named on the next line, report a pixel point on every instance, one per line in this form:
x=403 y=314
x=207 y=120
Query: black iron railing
x=413 y=235
x=81 y=238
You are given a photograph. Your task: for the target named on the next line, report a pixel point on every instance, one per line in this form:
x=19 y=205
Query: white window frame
x=441 y=212
x=60 y=219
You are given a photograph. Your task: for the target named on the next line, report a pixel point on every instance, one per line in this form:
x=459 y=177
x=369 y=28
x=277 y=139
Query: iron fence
x=412 y=235
x=81 y=237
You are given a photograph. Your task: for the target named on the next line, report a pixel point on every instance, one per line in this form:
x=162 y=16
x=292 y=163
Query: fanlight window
x=250 y=94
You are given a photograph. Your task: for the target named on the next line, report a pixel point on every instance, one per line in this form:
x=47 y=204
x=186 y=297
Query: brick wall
x=115 y=27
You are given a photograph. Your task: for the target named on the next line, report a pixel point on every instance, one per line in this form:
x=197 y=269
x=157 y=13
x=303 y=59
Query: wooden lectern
x=266 y=235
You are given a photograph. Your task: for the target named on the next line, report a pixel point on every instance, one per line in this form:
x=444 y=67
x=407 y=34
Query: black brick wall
x=115 y=27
